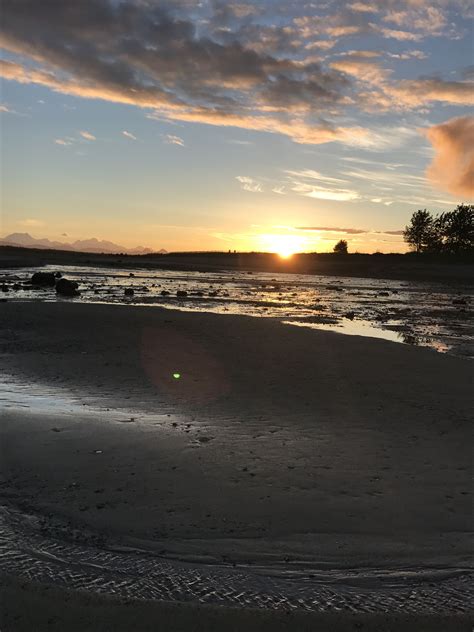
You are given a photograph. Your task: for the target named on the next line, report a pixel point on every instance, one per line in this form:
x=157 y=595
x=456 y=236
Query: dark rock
x=16 y=286
x=164 y=293
x=350 y=315
x=131 y=274
x=129 y=291
x=5 y=288
x=145 y=289
x=181 y=294
x=65 y=287
x=459 y=301
x=384 y=293
x=58 y=275
x=213 y=293
x=47 y=279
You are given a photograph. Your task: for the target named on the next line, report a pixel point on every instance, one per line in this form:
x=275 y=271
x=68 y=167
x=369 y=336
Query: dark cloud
x=139 y=51
x=253 y=65
x=349 y=231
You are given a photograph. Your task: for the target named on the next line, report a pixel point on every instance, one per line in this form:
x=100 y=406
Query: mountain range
x=25 y=240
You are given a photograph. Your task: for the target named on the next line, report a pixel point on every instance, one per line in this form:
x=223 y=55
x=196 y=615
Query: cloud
x=452 y=168
x=349 y=231
x=63 y=142
x=414 y=92
x=31 y=222
x=304 y=182
x=87 y=136
x=129 y=135
x=171 y=139
x=249 y=184
x=230 y=64
x=338 y=195
x=311 y=174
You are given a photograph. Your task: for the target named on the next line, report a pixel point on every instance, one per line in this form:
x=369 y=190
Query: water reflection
x=429 y=314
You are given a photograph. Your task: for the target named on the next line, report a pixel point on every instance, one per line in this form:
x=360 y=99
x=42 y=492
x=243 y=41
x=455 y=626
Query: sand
x=275 y=445
x=34 y=607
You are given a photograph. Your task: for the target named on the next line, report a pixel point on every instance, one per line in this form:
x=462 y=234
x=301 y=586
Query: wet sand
x=283 y=446
x=36 y=607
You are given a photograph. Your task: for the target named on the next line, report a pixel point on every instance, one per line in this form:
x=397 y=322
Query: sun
x=283 y=245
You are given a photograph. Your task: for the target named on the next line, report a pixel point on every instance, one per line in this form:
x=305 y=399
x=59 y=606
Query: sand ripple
x=26 y=550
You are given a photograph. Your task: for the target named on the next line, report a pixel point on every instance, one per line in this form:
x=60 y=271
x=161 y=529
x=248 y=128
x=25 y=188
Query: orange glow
x=283 y=245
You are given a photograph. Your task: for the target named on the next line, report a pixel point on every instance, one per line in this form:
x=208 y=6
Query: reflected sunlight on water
x=429 y=314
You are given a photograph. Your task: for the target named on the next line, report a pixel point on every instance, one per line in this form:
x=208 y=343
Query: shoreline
x=277 y=443
x=377 y=266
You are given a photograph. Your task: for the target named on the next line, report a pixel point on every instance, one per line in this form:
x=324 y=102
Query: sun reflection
x=284 y=245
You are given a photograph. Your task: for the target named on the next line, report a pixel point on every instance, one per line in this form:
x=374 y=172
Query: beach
x=232 y=440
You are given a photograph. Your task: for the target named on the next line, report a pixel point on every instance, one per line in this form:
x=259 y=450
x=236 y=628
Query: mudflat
x=227 y=438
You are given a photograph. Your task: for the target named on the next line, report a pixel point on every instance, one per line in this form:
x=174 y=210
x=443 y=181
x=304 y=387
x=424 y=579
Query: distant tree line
x=451 y=232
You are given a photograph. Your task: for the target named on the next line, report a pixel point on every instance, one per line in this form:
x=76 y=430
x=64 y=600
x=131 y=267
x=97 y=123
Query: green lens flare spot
x=176 y=376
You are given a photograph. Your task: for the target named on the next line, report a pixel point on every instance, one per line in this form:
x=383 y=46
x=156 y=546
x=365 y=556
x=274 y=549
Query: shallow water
x=435 y=315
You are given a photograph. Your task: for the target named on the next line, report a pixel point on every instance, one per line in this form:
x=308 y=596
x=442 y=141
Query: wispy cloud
x=31 y=222
x=129 y=135
x=314 y=184
x=311 y=174
x=87 y=135
x=249 y=184
x=348 y=231
x=171 y=139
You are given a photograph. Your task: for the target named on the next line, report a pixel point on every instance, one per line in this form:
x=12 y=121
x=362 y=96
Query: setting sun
x=283 y=245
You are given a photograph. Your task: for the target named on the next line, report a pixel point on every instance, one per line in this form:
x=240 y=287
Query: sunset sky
x=192 y=125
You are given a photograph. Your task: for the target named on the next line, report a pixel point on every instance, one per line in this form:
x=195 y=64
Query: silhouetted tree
x=341 y=247
x=419 y=233
x=457 y=229
x=451 y=232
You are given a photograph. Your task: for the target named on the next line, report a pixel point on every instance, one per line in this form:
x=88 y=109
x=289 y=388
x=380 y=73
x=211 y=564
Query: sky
x=207 y=125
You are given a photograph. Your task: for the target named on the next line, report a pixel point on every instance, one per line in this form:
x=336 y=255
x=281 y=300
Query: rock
x=181 y=294
x=5 y=288
x=350 y=315
x=129 y=291
x=145 y=289
x=16 y=286
x=384 y=293
x=213 y=293
x=131 y=274
x=65 y=287
x=164 y=293
x=47 y=279
x=459 y=301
